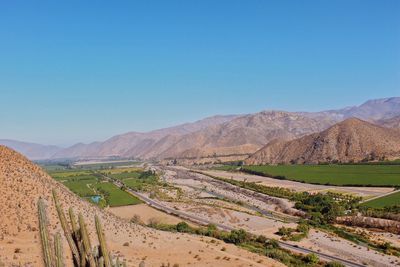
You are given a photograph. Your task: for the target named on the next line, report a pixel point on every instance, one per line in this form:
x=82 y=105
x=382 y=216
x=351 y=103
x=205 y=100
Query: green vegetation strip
x=343 y=175
x=386 y=201
x=256 y=244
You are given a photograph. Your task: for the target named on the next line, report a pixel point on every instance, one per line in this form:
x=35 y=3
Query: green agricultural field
x=82 y=187
x=68 y=174
x=126 y=175
x=106 y=165
x=358 y=175
x=390 y=200
x=86 y=184
x=137 y=179
x=115 y=196
x=121 y=170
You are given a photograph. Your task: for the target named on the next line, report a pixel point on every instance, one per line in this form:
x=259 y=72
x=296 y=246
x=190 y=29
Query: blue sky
x=85 y=70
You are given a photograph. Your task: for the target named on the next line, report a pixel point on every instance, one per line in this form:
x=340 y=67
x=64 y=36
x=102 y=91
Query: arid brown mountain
x=350 y=140
x=22 y=183
x=371 y=110
x=139 y=145
x=227 y=135
x=244 y=135
x=233 y=137
x=390 y=123
x=31 y=150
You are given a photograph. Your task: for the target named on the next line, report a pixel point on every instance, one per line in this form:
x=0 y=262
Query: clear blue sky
x=86 y=70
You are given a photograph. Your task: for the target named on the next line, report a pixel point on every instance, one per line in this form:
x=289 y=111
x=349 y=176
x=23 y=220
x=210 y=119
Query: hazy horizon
x=84 y=72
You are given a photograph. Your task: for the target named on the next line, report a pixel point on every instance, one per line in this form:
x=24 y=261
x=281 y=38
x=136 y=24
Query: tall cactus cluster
x=76 y=234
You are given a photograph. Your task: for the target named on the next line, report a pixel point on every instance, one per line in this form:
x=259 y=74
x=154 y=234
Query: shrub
x=311 y=258
x=334 y=264
x=182 y=227
x=237 y=236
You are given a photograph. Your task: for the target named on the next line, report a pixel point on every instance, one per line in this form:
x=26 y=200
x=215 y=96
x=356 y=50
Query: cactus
x=101 y=262
x=58 y=251
x=75 y=228
x=66 y=229
x=86 y=242
x=77 y=237
x=44 y=234
x=102 y=241
x=84 y=255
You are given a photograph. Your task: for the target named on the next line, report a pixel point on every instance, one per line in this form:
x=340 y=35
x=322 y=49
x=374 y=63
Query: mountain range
x=31 y=150
x=219 y=136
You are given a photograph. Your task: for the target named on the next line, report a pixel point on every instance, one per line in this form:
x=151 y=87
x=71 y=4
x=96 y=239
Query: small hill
x=22 y=183
x=350 y=140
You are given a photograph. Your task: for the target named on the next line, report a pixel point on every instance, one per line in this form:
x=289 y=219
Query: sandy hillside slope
x=350 y=140
x=21 y=185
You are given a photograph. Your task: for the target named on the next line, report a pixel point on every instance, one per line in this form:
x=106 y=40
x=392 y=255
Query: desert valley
x=273 y=188
x=200 y=133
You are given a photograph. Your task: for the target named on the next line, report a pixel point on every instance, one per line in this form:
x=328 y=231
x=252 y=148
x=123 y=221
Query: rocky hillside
x=22 y=183
x=350 y=140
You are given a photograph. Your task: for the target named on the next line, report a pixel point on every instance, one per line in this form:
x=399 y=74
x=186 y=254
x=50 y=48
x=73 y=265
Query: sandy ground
x=145 y=213
x=323 y=242
x=195 y=183
x=239 y=220
x=377 y=235
x=364 y=192
x=326 y=243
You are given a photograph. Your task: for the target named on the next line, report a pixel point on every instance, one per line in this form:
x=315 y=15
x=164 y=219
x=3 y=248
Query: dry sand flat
x=325 y=243
x=231 y=218
x=297 y=186
x=146 y=213
x=21 y=185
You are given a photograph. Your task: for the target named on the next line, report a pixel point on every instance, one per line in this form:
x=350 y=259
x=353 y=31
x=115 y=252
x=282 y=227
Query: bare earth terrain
x=328 y=243
x=335 y=246
x=21 y=185
x=145 y=213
